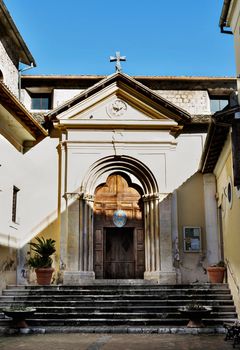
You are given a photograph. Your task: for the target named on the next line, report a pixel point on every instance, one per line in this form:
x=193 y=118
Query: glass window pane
x=217 y=104
x=41 y=101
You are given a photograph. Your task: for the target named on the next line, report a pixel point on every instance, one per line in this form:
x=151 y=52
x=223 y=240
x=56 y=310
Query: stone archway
x=158 y=262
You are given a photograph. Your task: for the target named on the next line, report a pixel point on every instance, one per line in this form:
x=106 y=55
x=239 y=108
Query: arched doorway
x=93 y=222
x=118 y=250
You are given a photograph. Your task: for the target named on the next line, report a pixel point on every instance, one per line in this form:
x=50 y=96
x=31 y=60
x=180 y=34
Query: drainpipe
x=223 y=17
x=19 y=78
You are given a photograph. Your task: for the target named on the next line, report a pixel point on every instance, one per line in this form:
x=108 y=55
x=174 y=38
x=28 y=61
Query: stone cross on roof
x=118 y=58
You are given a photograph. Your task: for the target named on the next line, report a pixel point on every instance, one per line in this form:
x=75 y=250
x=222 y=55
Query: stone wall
x=194 y=102
x=9 y=71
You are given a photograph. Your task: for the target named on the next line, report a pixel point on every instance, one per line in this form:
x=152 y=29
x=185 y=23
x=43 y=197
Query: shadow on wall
x=8 y=266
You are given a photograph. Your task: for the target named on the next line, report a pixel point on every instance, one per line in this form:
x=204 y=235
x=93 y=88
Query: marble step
x=116 y=305
x=115 y=322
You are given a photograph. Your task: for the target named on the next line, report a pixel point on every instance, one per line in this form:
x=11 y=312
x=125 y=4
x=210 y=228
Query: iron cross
x=118 y=58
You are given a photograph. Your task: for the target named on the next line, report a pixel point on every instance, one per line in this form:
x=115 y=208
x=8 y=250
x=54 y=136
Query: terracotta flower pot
x=216 y=274
x=44 y=275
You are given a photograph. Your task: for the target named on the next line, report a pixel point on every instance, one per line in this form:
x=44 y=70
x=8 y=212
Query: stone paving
x=115 y=342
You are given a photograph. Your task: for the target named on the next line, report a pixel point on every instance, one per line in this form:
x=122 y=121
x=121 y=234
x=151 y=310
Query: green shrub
x=43 y=248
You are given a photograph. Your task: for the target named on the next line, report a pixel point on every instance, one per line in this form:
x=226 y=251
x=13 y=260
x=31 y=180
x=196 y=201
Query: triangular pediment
x=119 y=99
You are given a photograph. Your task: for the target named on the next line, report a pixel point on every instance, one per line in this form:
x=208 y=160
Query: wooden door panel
x=118 y=256
x=140 y=265
x=98 y=253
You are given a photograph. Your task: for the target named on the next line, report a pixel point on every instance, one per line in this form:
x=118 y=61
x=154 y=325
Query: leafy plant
x=44 y=248
x=221 y=263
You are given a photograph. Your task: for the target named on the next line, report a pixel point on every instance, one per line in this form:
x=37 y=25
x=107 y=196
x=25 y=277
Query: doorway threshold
x=100 y=281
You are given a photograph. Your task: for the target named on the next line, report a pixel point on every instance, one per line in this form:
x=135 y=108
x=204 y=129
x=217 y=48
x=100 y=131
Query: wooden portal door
x=119 y=260
x=118 y=252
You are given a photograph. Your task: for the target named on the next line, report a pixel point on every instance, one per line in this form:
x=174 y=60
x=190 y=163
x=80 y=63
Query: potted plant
x=19 y=315
x=216 y=272
x=42 y=261
x=195 y=312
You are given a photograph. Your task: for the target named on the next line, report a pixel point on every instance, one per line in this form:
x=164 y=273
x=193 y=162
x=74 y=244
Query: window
x=217 y=104
x=41 y=101
x=228 y=192
x=14 y=203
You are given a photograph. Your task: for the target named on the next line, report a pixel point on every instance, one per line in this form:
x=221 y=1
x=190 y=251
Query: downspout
x=223 y=17
x=20 y=78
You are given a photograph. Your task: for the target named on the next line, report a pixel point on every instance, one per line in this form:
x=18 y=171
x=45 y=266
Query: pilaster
x=211 y=222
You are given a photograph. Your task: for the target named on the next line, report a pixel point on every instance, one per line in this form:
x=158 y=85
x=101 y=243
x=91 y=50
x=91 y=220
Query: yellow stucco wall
x=229 y=211
x=190 y=202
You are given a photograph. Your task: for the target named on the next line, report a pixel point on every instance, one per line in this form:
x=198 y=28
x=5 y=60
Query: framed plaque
x=192 y=239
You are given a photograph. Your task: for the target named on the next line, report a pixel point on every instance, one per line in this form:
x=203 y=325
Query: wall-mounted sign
x=192 y=239
x=119 y=218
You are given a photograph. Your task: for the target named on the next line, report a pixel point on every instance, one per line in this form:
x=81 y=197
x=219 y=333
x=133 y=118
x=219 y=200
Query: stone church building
x=110 y=167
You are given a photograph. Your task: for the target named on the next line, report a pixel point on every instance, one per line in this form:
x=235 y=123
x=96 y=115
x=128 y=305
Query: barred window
x=14 y=203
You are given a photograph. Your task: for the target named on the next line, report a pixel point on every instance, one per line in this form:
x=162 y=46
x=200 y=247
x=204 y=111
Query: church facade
x=110 y=167
x=131 y=201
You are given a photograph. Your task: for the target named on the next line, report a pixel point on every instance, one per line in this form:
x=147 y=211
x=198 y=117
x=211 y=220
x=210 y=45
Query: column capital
x=151 y=196
x=88 y=197
x=72 y=195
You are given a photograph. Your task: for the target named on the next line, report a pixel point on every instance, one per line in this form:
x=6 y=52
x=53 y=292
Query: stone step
x=126 y=308
x=116 y=294
x=115 y=322
x=123 y=299
x=158 y=290
x=113 y=305
x=122 y=285
x=126 y=315
x=79 y=302
x=119 y=313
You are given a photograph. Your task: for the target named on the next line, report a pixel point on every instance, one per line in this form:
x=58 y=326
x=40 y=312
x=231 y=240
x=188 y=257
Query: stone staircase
x=116 y=305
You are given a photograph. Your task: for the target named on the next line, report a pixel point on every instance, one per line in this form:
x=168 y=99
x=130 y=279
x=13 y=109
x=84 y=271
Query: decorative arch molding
x=80 y=240
x=120 y=163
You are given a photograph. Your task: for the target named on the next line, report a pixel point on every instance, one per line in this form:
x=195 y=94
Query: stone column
x=158 y=241
x=80 y=241
x=151 y=219
x=62 y=204
x=175 y=238
x=211 y=222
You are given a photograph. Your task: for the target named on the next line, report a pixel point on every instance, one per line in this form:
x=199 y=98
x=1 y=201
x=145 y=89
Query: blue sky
x=159 y=37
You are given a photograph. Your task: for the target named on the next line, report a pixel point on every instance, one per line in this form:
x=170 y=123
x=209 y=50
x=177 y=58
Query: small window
x=217 y=104
x=14 y=203
x=41 y=101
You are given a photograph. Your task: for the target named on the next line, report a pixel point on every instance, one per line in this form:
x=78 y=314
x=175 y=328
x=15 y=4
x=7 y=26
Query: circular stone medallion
x=119 y=218
x=117 y=108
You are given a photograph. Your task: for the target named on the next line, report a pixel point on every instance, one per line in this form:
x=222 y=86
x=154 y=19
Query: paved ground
x=114 y=342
